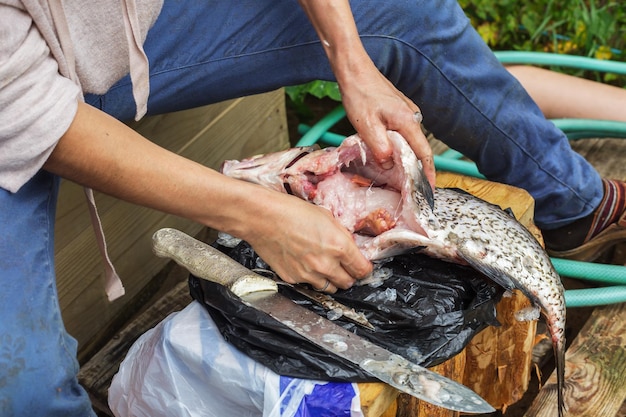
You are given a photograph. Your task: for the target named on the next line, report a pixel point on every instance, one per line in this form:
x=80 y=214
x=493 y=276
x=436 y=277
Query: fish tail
x=559 y=355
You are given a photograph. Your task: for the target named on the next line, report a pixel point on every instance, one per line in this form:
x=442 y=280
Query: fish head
x=269 y=170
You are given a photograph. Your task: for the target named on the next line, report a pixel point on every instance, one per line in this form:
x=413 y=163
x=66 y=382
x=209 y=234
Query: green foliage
x=576 y=27
x=579 y=27
x=319 y=89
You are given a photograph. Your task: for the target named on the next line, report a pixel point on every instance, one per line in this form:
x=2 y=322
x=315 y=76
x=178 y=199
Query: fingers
x=412 y=131
x=340 y=270
x=392 y=110
x=326 y=286
x=322 y=278
x=311 y=246
x=407 y=122
x=374 y=133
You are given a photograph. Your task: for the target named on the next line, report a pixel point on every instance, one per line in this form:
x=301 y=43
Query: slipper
x=598 y=245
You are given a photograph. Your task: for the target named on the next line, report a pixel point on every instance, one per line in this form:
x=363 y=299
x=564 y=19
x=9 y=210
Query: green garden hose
x=561 y=60
x=313 y=135
x=593 y=297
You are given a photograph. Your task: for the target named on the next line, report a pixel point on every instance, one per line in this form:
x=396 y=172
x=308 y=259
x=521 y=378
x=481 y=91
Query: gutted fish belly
x=392 y=211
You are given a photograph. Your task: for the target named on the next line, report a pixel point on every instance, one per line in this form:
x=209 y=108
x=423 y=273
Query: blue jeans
x=428 y=49
x=206 y=51
x=38 y=363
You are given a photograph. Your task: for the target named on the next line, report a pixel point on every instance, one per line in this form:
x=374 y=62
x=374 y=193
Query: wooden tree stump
x=409 y=406
x=498 y=359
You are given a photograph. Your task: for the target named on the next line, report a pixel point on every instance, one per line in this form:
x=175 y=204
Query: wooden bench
x=596 y=369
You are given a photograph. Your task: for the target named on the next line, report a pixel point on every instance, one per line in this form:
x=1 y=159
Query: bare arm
x=302 y=242
x=373 y=105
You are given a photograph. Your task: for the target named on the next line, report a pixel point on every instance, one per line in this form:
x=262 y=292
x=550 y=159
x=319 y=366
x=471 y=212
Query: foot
x=590 y=237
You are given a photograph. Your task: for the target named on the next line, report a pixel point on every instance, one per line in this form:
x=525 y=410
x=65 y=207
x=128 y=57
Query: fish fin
x=509 y=211
x=460 y=191
x=560 y=360
x=423 y=186
x=493 y=273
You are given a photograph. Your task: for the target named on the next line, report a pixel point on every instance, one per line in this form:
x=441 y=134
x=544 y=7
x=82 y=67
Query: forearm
x=335 y=26
x=100 y=152
x=302 y=242
x=373 y=104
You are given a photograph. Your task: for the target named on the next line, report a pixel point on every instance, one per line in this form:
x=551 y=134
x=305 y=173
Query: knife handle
x=208 y=263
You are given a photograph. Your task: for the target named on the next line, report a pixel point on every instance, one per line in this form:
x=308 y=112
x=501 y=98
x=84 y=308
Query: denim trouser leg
x=38 y=363
x=203 y=52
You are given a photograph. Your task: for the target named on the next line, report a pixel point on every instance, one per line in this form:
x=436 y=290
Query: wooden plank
x=595 y=371
x=606 y=155
x=378 y=399
x=97 y=373
x=208 y=135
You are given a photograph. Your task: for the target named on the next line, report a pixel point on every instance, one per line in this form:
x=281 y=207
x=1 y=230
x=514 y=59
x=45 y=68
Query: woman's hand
x=373 y=105
x=304 y=243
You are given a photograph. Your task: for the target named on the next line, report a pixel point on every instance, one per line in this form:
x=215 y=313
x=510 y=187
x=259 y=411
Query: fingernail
x=388 y=164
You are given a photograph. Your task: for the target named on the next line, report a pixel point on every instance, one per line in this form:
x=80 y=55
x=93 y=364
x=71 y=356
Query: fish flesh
x=392 y=211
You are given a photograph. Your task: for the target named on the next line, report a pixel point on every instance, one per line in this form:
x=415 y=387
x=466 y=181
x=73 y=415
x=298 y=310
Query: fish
x=393 y=211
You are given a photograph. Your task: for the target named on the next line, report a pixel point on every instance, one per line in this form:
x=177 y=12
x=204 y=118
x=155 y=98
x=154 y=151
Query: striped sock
x=610 y=209
x=581 y=231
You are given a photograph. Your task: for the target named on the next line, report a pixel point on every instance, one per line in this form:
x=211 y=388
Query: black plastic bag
x=426 y=310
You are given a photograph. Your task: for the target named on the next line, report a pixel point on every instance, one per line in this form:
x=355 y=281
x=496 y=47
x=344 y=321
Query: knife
x=322 y=299
x=262 y=294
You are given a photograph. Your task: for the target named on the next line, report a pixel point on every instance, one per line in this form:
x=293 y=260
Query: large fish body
x=392 y=211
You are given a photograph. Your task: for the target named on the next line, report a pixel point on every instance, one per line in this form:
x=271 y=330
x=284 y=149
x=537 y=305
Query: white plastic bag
x=184 y=368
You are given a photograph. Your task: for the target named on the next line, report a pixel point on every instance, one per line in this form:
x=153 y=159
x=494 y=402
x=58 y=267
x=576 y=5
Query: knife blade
x=262 y=294
x=322 y=299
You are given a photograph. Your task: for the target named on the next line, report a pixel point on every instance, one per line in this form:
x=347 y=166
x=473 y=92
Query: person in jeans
x=71 y=72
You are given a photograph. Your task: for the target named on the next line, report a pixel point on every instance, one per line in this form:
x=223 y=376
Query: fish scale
x=448 y=224
x=496 y=244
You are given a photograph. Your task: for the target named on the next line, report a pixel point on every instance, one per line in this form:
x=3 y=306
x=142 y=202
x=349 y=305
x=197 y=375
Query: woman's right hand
x=304 y=243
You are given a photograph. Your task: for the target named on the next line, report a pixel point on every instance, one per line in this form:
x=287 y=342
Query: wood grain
x=409 y=406
x=378 y=399
x=596 y=369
